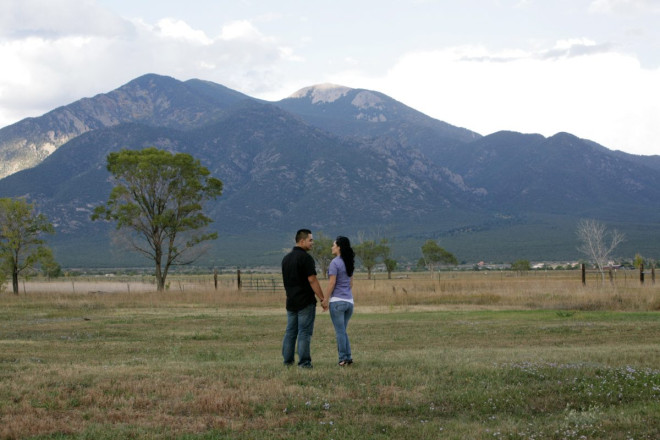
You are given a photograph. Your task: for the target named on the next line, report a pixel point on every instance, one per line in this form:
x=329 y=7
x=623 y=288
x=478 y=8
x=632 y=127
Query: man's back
x=297 y=267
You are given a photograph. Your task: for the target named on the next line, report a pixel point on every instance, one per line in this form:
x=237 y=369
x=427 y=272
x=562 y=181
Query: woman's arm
x=332 y=280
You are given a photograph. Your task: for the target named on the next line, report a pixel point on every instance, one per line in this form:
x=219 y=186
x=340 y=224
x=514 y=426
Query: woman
x=339 y=295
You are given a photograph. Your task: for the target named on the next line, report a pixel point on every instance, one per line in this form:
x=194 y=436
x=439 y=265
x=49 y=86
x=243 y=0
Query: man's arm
x=316 y=287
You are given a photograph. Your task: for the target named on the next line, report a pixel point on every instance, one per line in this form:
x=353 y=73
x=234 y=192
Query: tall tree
x=21 y=245
x=157 y=201
x=433 y=255
x=322 y=252
x=390 y=266
x=597 y=243
x=370 y=253
x=521 y=266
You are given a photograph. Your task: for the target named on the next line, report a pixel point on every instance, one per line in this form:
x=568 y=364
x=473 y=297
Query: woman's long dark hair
x=347 y=254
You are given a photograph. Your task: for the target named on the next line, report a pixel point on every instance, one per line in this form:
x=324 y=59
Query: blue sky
x=588 y=67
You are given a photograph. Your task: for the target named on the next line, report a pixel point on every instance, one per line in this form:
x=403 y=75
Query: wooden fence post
x=215 y=278
x=641 y=273
x=238 y=278
x=584 y=274
x=653 y=274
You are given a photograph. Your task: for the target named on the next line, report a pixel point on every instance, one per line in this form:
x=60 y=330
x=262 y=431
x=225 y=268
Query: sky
x=587 y=67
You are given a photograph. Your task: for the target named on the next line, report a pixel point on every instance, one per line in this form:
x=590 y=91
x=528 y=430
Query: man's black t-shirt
x=297 y=266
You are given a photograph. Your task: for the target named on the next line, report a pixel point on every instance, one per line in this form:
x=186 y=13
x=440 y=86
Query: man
x=302 y=287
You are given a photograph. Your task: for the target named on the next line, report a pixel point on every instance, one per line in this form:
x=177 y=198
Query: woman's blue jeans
x=340 y=313
x=300 y=326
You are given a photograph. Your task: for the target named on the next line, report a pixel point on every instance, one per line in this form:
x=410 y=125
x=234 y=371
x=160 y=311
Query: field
x=460 y=355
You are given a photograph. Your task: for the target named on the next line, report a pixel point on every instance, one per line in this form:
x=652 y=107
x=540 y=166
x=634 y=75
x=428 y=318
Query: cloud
x=624 y=6
x=240 y=30
x=600 y=95
x=58 y=51
x=57 y=18
x=576 y=47
x=180 y=30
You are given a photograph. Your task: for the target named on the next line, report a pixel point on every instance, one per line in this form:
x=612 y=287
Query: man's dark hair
x=302 y=234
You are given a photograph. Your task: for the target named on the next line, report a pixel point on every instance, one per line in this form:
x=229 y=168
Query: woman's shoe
x=343 y=363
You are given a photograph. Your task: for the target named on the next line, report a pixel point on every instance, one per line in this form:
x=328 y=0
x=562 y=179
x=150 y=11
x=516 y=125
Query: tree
x=433 y=254
x=157 y=202
x=50 y=268
x=369 y=252
x=21 y=245
x=597 y=243
x=390 y=266
x=521 y=266
x=322 y=252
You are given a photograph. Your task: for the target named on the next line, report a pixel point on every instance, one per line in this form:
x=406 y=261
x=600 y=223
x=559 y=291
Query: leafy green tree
x=638 y=261
x=390 y=266
x=433 y=255
x=50 y=268
x=370 y=253
x=157 y=202
x=21 y=245
x=322 y=252
x=521 y=266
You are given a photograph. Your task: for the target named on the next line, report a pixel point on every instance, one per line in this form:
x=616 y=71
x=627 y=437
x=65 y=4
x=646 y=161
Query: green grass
x=94 y=367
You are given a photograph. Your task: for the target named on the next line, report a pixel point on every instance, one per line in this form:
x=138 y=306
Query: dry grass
x=489 y=290
x=462 y=355
x=507 y=290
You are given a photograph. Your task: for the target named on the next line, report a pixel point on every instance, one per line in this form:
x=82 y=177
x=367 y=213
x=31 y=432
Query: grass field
x=464 y=355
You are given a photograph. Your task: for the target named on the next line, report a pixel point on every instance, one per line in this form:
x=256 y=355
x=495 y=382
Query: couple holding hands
x=303 y=287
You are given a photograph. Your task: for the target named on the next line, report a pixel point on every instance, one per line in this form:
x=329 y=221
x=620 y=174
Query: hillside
x=151 y=99
x=337 y=160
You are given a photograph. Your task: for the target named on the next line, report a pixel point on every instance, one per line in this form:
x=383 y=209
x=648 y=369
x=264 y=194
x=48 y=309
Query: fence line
x=610 y=273
x=259 y=283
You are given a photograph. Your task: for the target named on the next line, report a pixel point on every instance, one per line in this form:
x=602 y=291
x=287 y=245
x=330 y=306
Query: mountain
x=561 y=174
x=390 y=172
x=151 y=99
x=364 y=113
x=277 y=171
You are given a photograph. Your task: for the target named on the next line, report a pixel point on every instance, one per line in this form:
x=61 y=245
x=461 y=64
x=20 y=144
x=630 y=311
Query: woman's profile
x=339 y=296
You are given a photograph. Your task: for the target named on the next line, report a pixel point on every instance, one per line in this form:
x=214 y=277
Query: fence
x=610 y=274
x=259 y=283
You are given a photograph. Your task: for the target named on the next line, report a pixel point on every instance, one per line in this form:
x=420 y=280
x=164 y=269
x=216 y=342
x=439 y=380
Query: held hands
x=324 y=304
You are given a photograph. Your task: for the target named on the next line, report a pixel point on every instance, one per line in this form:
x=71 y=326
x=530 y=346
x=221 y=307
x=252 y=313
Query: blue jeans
x=340 y=313
x=300 y=325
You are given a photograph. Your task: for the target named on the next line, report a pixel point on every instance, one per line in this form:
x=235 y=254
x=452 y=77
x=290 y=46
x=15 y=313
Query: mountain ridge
x=136 y=101
x=340 y=159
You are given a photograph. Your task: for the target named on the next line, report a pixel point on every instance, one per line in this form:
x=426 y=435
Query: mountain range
x=337 y=160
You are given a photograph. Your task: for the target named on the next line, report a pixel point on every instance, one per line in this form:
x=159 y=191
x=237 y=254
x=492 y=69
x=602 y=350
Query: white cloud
x=47 y=65
x=57 y=51
x=242 y=29
x=180 y=30
x=624 y=6
x=57 y=18
x=605 y=97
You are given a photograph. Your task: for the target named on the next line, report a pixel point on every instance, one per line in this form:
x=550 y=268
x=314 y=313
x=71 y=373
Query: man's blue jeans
x=300 y=325
x=340 y=313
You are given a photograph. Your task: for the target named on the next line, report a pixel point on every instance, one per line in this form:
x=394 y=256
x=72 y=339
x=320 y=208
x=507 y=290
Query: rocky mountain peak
x=322 y=93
